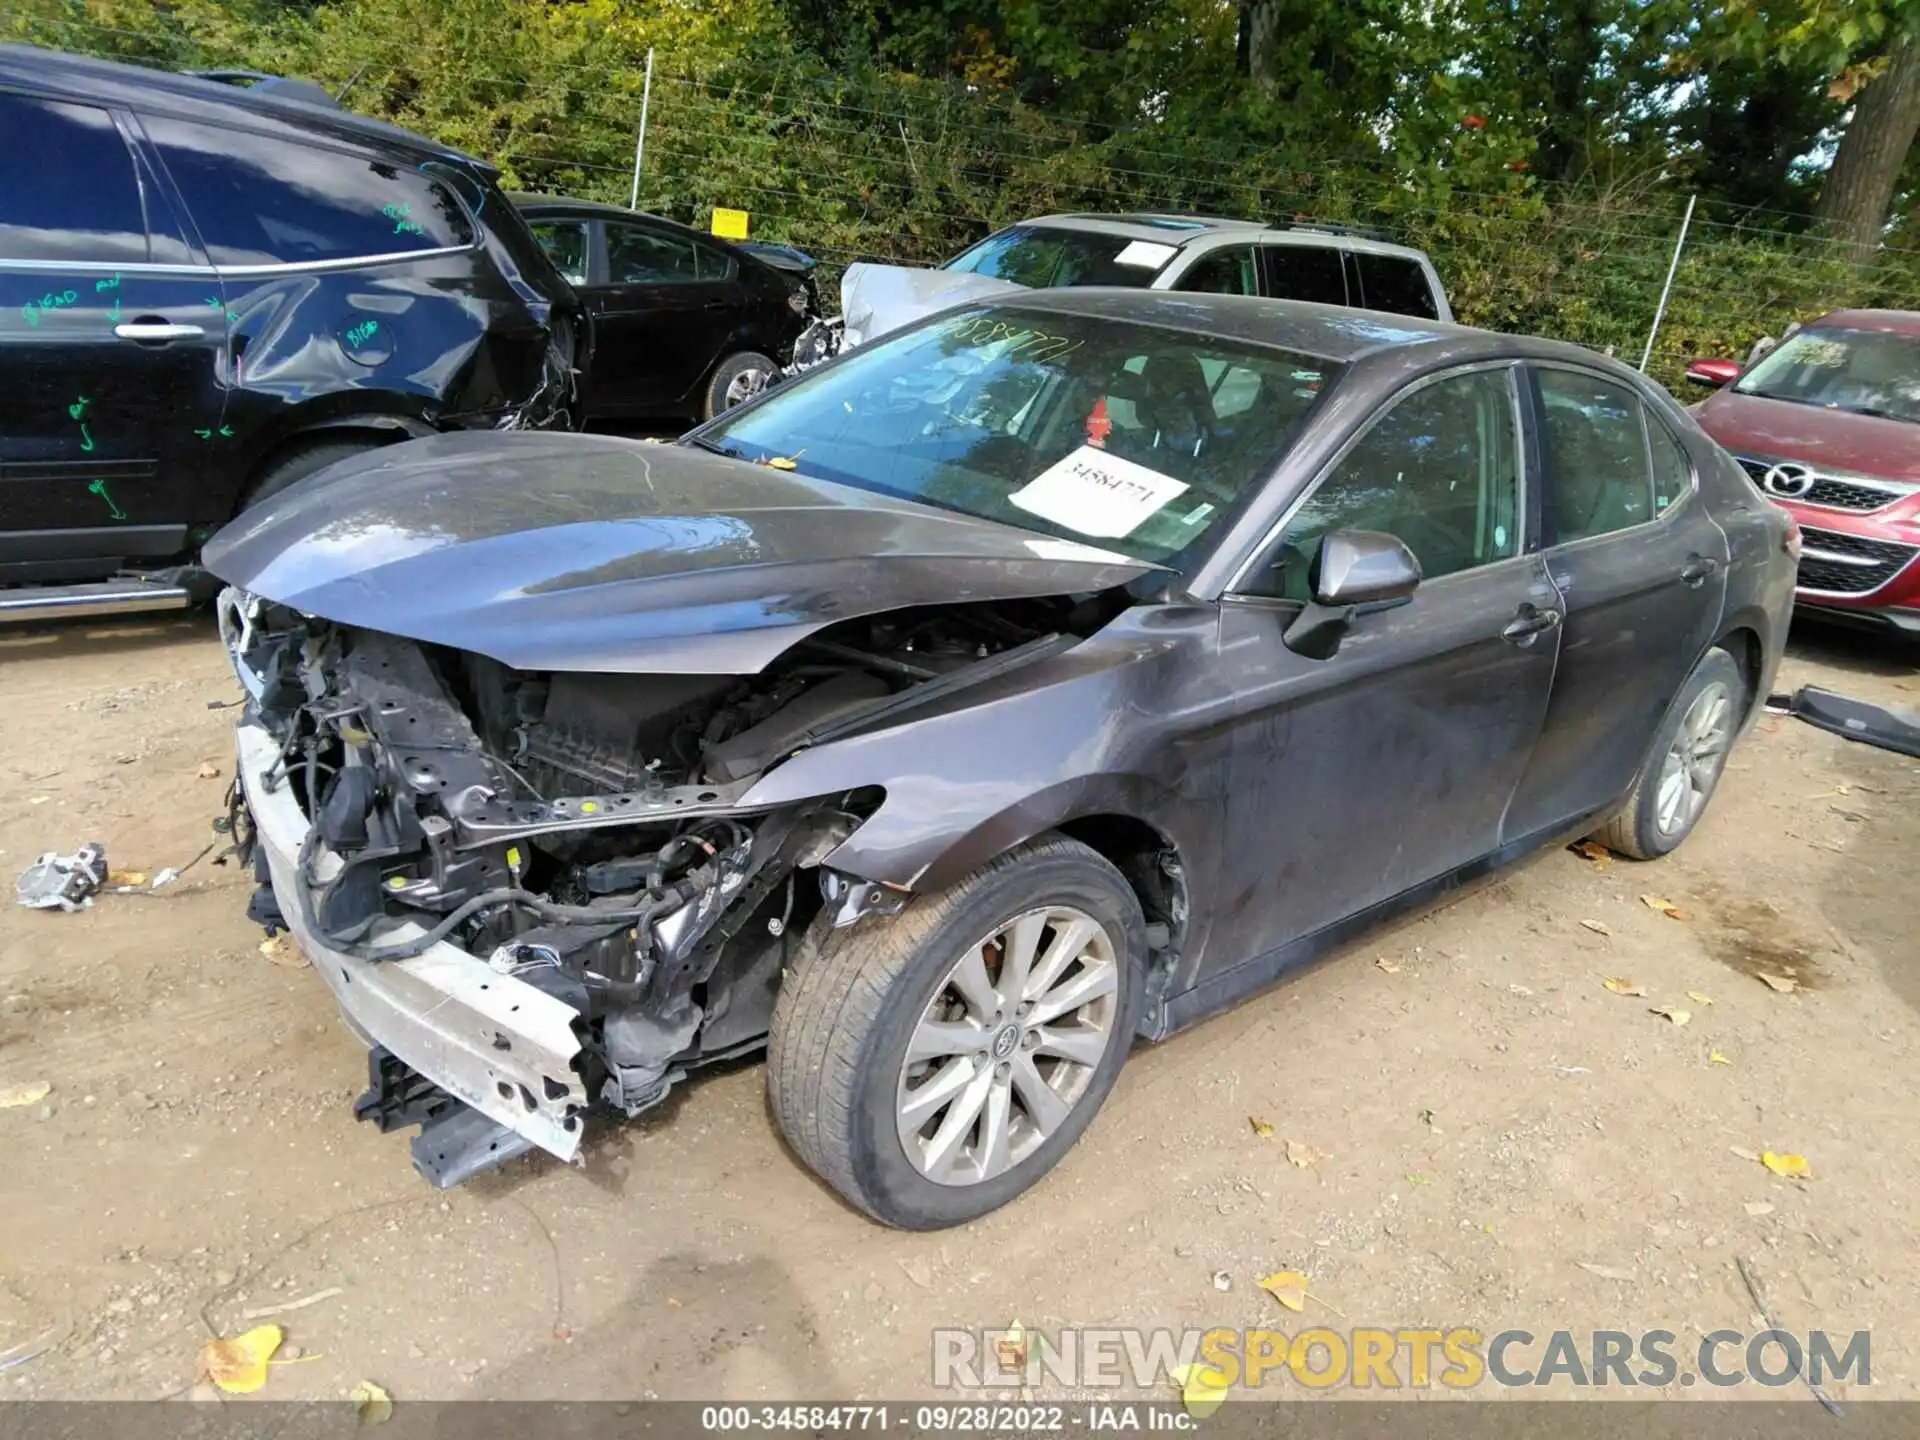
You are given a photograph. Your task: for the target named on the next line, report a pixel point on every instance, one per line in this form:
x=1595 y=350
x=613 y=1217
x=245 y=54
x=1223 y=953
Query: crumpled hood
x=586 y=552
x=876 y=300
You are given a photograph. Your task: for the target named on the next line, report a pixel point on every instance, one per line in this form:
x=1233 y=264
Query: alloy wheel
x=744 y=386
x=1693 y=760
x=1007 y=1045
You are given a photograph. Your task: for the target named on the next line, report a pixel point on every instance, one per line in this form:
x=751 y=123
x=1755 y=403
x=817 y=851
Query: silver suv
x=1323 y=263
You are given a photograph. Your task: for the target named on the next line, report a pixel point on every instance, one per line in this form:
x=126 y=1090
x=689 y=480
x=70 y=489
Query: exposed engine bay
x=582 y=833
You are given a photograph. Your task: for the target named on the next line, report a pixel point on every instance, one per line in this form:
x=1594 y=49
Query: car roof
x=1896 y=322
x=1183 y=230
x=109 y=82
x=1329 y=332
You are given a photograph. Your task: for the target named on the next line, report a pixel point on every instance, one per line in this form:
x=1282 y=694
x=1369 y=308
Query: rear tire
x=303 y=460
x=737 y=379
x=847 y=1096
x=1684 y=768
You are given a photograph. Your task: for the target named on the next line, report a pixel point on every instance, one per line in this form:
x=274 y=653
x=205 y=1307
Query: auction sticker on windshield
x=1096 y=493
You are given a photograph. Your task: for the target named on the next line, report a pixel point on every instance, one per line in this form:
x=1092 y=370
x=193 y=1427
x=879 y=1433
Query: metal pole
x=1659 y=313
x=640 y=144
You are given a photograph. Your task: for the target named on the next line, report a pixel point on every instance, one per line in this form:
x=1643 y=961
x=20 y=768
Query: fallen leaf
x=1782 y=983
x=780 y=462
x=1010 y=1347
x=1793 y=1167
x=1260 y=1127
x=14 y=1096
x=1743 y=1153
x=1201 y=1390
x=1605 y=1272
x=1759 y=1207
x=210 y=771
x=1302 y=1155
x=126 y=877
x=1387 y=965
x=1419 y=1177
x=376 y=1406
x=1678 y=1017
x=1665 y=907
x=1623 y=987
x=239 y=1366
x=1699 y=997
x=1596 y=852
x=1289 y=1287
x=919 y=1272
x=1597 y=927
x=1714 y=1057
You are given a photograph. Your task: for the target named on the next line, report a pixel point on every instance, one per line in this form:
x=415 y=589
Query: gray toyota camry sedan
x=1048 y=676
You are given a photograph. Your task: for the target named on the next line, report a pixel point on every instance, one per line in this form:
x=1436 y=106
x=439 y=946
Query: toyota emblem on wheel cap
x=1789 y=480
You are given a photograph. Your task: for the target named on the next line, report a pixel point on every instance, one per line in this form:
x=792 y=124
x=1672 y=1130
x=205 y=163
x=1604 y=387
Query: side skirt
x=1227 y=988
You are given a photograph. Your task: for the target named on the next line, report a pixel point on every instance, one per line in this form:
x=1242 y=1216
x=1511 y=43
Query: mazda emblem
x=1789 y=481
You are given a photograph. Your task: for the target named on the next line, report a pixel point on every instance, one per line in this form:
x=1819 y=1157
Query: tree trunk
x=1260 y=30
x=1859 y=188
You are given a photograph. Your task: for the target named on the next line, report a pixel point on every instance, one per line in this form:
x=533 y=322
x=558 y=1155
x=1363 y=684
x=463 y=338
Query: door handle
x=1529 y=622
x=156 y=332
x=1698 y=570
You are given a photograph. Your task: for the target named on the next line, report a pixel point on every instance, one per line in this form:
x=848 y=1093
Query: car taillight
x=1790 y=541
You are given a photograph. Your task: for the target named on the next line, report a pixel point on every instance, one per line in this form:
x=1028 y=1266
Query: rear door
x=662 y=318
x=1641 y=570
x=111 y=348
x=1226 y=270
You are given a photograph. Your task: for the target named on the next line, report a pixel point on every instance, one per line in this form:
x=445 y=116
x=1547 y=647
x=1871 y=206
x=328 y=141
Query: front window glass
x=1871 y=372
x=1042 y=257
x=639 y=256
x=1441 y=471
x=1126 y=436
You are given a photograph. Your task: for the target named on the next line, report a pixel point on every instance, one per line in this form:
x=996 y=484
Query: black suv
x=208 y=292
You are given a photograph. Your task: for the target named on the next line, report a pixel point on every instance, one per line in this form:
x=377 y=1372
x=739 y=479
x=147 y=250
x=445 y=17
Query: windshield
x=1043 y=258
x=1873 y=372
x=1134 y=437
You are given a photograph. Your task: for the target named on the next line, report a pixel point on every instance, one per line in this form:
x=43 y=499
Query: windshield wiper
x=1878 y=413
x=714 y=447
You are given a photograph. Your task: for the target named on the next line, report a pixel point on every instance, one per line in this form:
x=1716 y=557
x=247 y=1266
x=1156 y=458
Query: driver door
x=1352 y=779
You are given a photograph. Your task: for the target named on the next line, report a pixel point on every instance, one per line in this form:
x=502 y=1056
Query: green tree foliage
x=1541 y=152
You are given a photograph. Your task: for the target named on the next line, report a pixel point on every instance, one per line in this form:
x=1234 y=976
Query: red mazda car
x=1828 y=425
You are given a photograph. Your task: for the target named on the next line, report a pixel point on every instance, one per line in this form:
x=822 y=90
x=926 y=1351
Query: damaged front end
x=540 y=893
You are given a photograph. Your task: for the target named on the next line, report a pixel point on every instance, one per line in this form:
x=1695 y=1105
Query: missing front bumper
x=497 y=1044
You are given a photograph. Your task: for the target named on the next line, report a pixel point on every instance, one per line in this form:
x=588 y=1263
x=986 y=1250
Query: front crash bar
x=497 y=1043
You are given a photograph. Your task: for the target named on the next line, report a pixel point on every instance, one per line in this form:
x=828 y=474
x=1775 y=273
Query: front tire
x=1684 y=768
x=933 y=1066
x=307 y=458
x=737 y=379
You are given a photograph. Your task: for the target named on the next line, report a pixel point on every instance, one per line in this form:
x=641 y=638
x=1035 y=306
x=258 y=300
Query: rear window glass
x=257 y=200
x=1396 y=284
x=1306 y=272
x=1045 y=258
x=67 y=186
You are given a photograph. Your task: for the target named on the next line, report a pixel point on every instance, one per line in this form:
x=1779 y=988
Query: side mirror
x=1355 y=570
x=1713 y=373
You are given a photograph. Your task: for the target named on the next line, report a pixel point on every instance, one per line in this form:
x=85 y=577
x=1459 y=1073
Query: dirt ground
x=1491 y=1119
